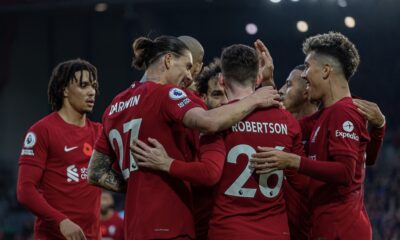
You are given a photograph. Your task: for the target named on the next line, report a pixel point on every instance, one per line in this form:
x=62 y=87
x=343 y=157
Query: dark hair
x=147 y=51
x=300 y=67
x=239 y=63
x=335 y=45
x=210 y=71
x=62 y=75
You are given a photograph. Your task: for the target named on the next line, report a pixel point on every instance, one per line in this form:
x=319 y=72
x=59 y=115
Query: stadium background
x=35 y=35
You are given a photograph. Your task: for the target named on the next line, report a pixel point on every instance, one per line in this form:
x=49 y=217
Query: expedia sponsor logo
x=343 y=135
x=348 y=127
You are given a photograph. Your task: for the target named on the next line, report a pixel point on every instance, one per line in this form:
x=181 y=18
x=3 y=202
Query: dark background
x=35 y=35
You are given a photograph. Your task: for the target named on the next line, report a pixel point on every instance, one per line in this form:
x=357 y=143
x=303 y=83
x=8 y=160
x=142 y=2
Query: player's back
x=248 y=205
x=153 y=199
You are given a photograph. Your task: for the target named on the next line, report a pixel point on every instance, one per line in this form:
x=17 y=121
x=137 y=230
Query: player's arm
x=338 y=171
x=266 y=64
x=223 y=117
x=373 y=114
x=206 y=171
x=29 y=177
x=100 y=173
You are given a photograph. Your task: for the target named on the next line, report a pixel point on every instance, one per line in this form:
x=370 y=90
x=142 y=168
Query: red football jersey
x=113 y=228
x=63 y=151
x=156 y=204
x=338 y=209
x=248 y=205
x=297 y=201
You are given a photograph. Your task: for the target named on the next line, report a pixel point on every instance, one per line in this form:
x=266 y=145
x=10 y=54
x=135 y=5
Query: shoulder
x=345 y=109
x=45 y=123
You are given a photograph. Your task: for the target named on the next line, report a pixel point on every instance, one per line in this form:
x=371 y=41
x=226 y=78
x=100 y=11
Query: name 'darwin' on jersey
x=260 y=127
x=120 y=106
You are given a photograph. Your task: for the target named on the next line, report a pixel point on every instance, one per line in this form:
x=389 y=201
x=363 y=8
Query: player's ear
x=326 y=71
x=259 y=79
x=65 y=92
x=221 y=79
x=168 y=60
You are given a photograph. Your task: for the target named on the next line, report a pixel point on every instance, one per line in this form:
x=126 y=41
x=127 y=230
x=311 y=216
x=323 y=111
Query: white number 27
x=133 y=127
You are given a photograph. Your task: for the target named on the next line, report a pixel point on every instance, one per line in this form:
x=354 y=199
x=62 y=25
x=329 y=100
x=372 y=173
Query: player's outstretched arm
x=207 y=171
x=100 y=173
x=223 y=117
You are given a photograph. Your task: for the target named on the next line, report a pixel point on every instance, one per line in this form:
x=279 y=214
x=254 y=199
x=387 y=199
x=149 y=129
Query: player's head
x=294 y=92
x=330 y=55
x=209 y=87
x=73 y=84
x=197 y=51
x=239 y=65
x=166 y=56
x=106 y=203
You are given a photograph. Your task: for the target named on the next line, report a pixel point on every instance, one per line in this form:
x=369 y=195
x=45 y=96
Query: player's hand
x=266 y=97
x=370 y=111
x=270 y=159
x=71 y=231
x=266 y=64
x=155 y=157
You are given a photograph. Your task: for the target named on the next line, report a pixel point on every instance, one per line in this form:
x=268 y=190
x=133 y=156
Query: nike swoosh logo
x=67 y=149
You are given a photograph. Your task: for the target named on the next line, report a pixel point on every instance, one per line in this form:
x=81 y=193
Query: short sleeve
x=346 y=131
x=175 y=103
x=103 y=145
x=35 y=148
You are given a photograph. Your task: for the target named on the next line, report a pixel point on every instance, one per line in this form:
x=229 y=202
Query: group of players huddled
x=207 y=153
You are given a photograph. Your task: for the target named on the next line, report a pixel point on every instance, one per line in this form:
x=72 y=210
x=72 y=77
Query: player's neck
x=237 y=93
x=336 y=90
x=305 y=110
x=73 y=117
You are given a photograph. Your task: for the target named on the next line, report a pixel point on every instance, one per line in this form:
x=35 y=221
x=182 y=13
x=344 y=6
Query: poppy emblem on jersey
x=30 y=140
x=348 y=126
x=87 y=149
x=176 y=94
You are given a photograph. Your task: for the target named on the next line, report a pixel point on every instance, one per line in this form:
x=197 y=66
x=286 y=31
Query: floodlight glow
x=275 y=1
x=251 y=28
x=350 y=22
x=342 y=3
x=295 y=0
x=302 y=26
x=101 y=7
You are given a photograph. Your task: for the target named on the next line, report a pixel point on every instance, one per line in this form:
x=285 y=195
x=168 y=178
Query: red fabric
x=112 y=228
x=208 y=170
x=373 y=147
x=29 y=196
x=149 y=110
x=339 y=171
x=248 y=204
x=58 y=155
x=337 y=147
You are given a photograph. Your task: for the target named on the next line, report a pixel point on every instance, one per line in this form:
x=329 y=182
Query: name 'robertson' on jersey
x=260 y=127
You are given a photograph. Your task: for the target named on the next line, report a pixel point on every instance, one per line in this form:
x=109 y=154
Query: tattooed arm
x=101 y=174
x=225 y=116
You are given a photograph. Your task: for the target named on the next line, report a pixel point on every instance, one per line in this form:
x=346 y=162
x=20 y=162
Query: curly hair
x=62 y=75
x=338 y=46
x=210 y=71
x=239 y=63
